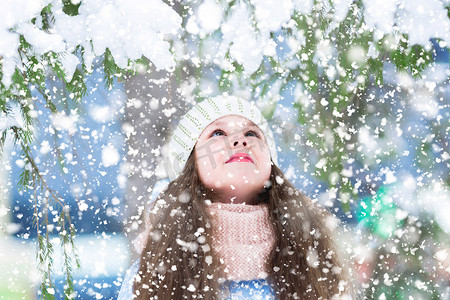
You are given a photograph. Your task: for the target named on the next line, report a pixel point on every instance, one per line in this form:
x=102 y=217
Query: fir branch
x=66 y=230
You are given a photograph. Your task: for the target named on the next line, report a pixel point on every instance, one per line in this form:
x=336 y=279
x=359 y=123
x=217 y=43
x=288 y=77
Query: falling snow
x=373 y=153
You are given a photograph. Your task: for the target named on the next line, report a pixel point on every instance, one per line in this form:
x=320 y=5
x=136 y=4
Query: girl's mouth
x=240 y=157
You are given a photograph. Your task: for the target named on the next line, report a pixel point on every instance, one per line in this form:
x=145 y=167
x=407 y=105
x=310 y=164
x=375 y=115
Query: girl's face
x=233 y=159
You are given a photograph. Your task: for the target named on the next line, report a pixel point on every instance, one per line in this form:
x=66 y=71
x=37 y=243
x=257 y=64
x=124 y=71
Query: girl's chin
x=237 y=192
x=238 y=187
x=241 y=172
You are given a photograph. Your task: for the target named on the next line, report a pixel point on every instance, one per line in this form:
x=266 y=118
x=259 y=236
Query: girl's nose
x=243 y=143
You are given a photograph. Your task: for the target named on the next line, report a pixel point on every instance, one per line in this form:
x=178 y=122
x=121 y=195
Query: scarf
x=243 y=237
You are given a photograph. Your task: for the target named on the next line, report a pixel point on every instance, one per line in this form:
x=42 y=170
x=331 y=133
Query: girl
x=229 y=225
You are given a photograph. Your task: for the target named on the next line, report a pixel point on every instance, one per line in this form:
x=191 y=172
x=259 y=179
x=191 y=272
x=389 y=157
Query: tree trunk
x=150 y=111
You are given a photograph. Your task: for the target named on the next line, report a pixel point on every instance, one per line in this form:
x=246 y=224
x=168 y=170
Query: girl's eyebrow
x=219 y=125
x=247 y=127
x=226 y=124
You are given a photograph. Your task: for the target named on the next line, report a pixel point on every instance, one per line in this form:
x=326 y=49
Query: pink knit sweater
x=243 y=238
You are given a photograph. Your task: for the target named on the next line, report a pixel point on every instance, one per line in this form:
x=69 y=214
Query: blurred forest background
x=357 y=93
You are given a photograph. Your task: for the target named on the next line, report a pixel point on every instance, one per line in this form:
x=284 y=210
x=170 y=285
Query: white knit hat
x=199 y=117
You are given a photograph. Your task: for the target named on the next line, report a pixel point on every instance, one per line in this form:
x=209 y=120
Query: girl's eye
x=220 y=132
x=217 y=132
x=252 y=133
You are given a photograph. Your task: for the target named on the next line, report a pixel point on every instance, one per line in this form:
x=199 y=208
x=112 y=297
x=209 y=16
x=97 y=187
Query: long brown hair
x=178 y=261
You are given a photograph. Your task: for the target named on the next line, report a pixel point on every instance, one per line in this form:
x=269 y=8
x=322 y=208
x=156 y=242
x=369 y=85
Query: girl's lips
x=240 y=157
x=239 y=160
